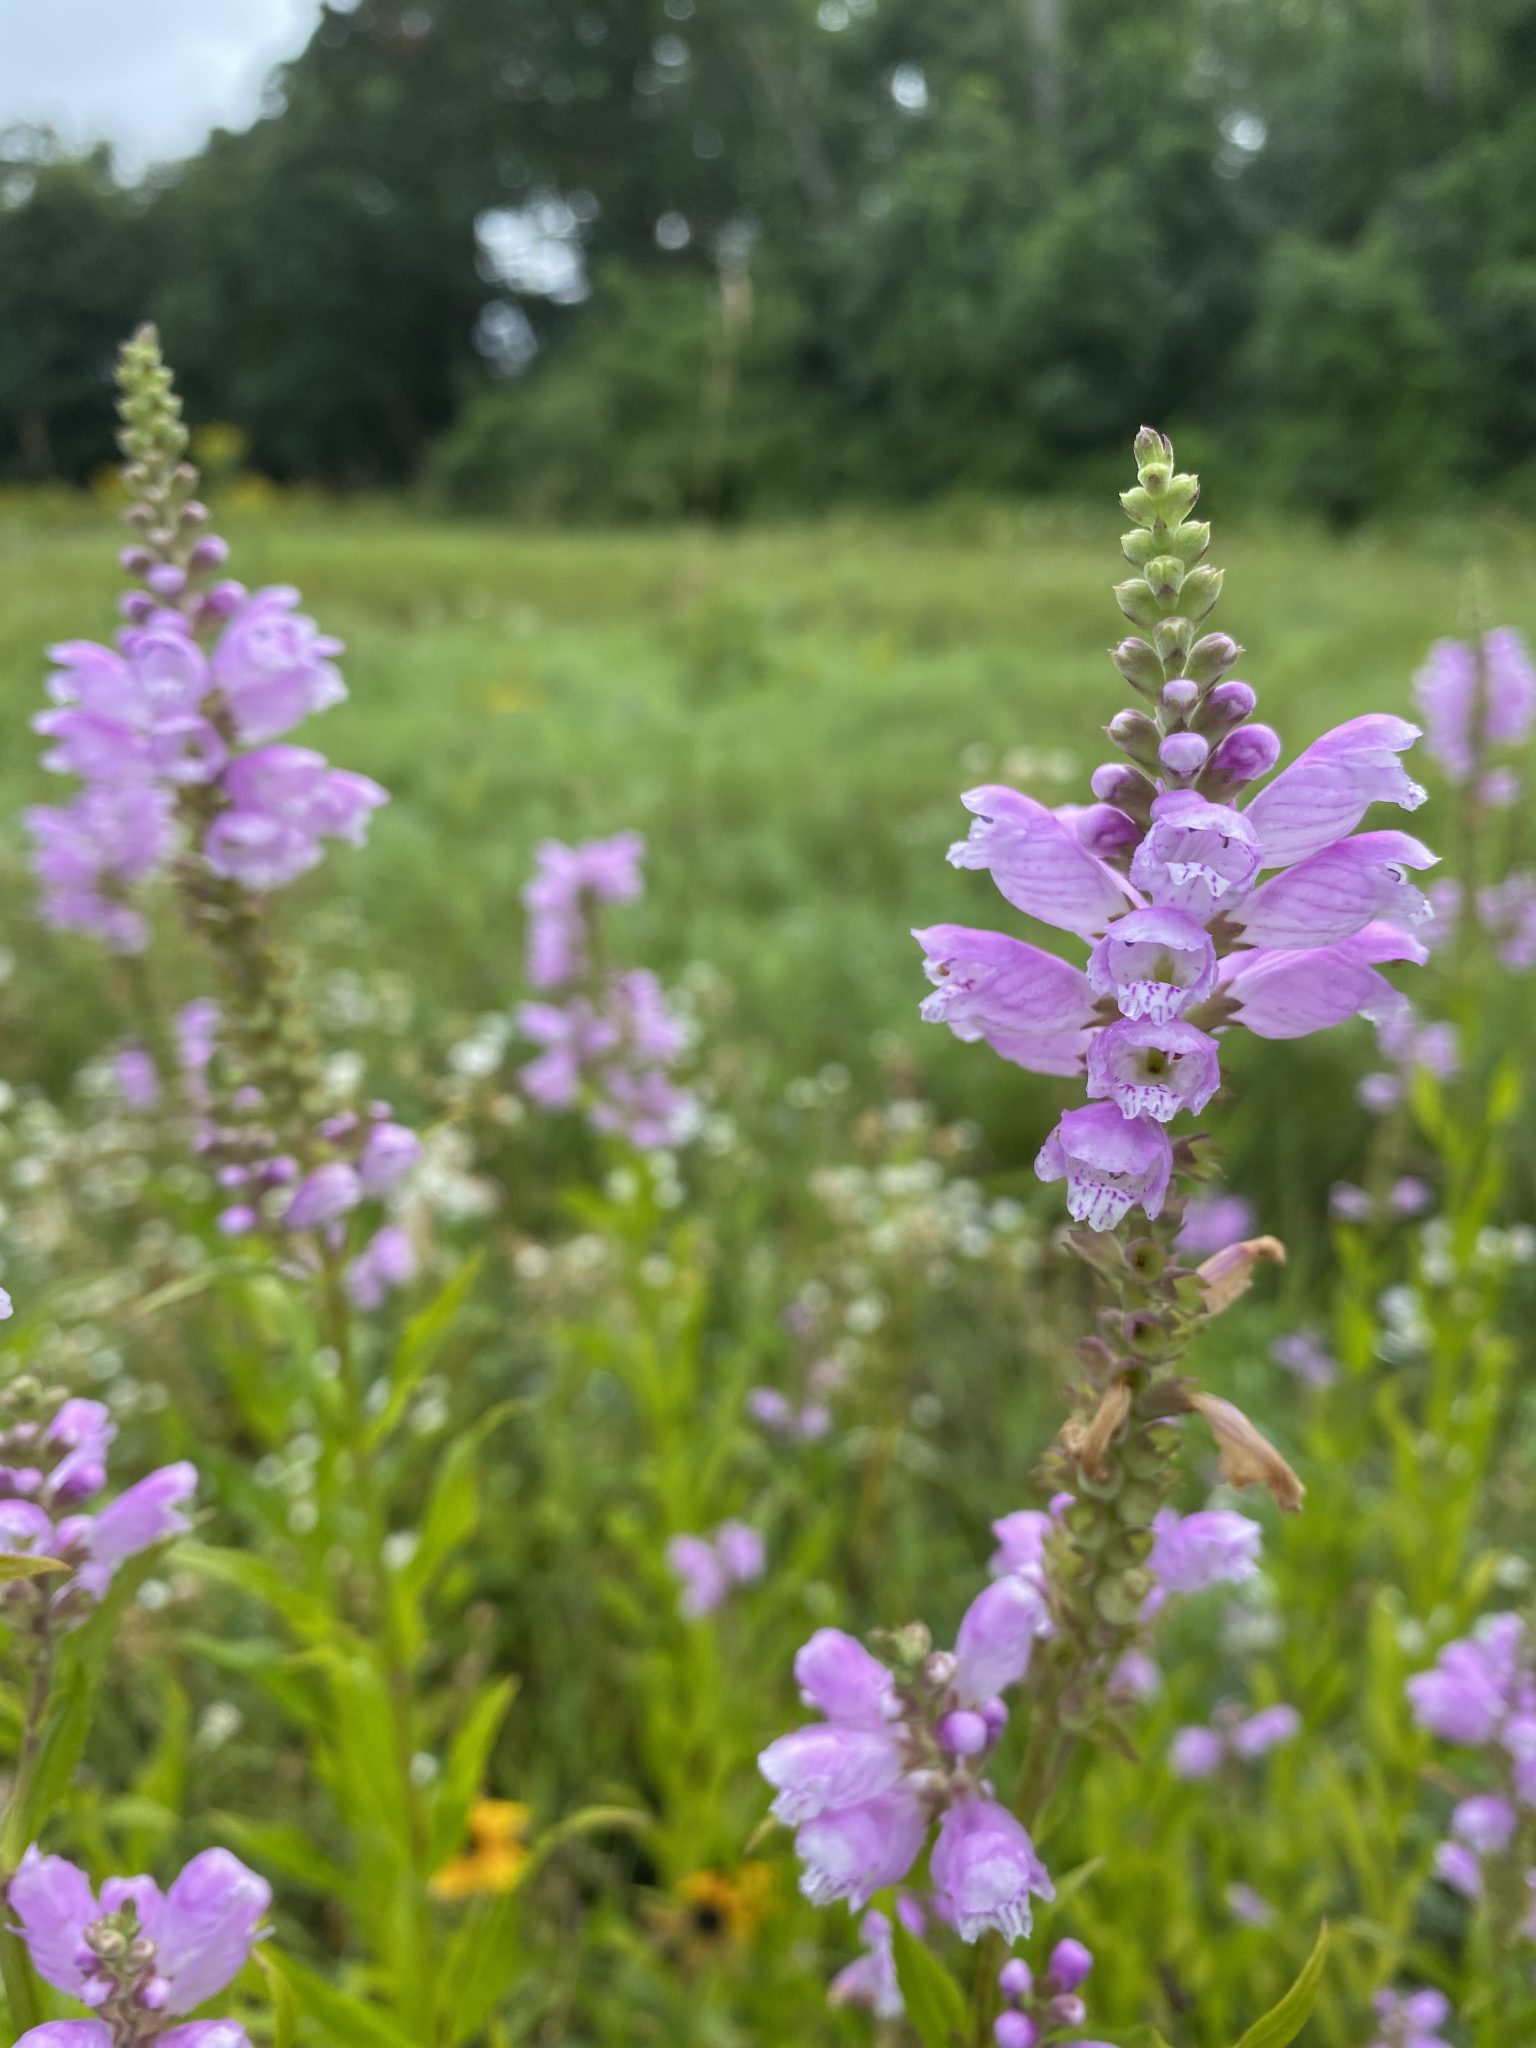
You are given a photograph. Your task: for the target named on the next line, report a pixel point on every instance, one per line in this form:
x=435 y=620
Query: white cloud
x=150 y=76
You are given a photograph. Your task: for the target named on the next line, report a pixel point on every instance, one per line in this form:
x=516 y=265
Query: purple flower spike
x=984 y=981
x=838 y=1675
x=1155 y=964
x=1196 y=1753
x=825 y=1766
x=1069 y=1965
x=324 y=1196
x=1446 y=690
x=858 y=1850
x=145 y=1515
x=1154 y=1070
x=199 y=1933
x=1332 y=895
x=275 y=667
x=1198 y=857
x=1193 y=1552
x=996 y=1638
x=1288 y=993
x=1038 y=862
x=1327 y=790
x=985 y=1870
x=1110 y=1164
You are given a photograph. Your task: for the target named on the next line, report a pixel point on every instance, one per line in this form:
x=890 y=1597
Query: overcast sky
x=151 y=76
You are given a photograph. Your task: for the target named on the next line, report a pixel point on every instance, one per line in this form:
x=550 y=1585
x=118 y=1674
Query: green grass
x=788 y=714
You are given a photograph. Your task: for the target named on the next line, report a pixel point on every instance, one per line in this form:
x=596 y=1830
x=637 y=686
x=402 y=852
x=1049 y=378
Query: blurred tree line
x=640 y=256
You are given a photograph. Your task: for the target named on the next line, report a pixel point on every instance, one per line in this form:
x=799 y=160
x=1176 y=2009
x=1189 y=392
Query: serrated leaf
x=1283 y=2022
x=14 y=1567
x=934 y=2001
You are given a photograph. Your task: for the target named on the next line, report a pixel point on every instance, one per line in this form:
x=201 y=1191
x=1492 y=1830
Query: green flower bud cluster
x=1171 y=661
x=153 y=437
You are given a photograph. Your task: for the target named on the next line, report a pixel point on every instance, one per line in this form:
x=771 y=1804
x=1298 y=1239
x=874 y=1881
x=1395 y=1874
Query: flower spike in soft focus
x=169 y=732
x=137 y=1954
x=610 y=1039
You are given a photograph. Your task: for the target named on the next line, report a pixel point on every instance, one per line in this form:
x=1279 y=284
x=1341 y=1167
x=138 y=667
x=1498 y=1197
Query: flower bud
x=209 y=553
x=1136 y=735
x=1228 y=704
x=1183 y=753
x=1164 y=575
x=1181 y=696
x=1190 y=541
x=1136 y=599
x=1201 y=589
x=963 y=1733
x=1015 y=1979
x=1246 y=754
x=939 y=1670
x=1117 y=783
x=1067 y=2011
x=1171 y=638
x=1211 y=656
x=1015 y=2030
x=1154 y=458
x=1139 y=664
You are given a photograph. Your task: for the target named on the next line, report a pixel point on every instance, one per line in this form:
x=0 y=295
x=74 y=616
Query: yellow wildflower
x=494 y=1861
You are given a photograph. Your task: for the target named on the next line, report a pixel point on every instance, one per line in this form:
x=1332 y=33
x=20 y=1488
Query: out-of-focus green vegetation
x=638 y=257
x=788 y=715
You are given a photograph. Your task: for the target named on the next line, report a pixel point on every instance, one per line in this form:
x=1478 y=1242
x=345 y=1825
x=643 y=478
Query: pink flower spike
x=1332 y=894
x=1327 y=790
x=1110 y=1164
x=1038 y=863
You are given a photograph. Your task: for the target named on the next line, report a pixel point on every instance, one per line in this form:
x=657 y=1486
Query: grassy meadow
x=788 y=715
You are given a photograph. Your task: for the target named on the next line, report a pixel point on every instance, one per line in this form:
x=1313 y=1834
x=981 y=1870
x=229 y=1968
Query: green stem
x=22 y=1996
x=393 y=1648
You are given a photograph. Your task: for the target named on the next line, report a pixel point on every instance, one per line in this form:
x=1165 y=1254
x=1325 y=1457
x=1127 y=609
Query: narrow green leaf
x=934 y=2001
x=423 y=1339
x=285 y=2012
x=15 y=1567
x=464 y=1775
x=346 y=2021
x=1283 y=2022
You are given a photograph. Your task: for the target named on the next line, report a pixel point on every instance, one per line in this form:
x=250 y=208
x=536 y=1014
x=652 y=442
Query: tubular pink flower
x=1154 y=963
x=856 y=1851
x=1291 y=993
x=1038 y=863
x=1332 y=894
x=1154 y=1070
x=828 y=1766
x=984 y=981
x=1110 y=1164
x=996 y=1638
x=1327 y=790
x=849 y=1685
x=1197 y=857
x=985 y=1871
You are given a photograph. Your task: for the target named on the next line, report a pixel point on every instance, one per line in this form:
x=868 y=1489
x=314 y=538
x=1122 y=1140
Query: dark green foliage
x=904 y=250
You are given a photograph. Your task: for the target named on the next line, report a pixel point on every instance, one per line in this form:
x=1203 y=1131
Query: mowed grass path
x=788 y=714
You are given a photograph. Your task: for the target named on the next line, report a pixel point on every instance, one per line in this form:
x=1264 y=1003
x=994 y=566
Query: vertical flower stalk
x=1200 y=914
x=179 y=738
